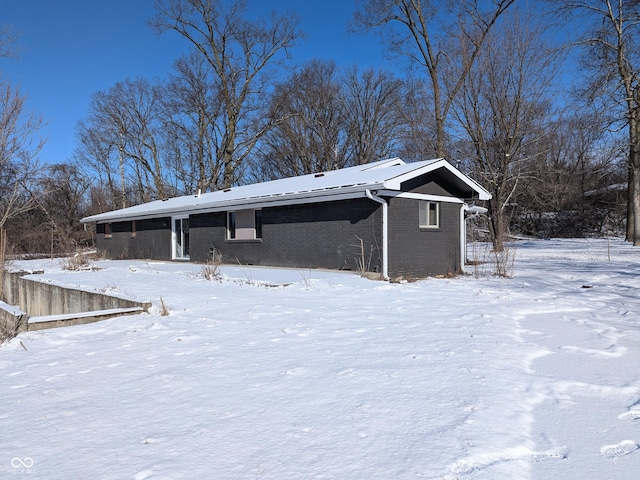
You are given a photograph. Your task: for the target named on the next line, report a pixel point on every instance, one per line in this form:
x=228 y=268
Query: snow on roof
x=344 y=183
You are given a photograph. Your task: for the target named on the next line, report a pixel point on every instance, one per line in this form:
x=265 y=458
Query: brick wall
x=152 y=239
x=416 y=252
x=320 y=235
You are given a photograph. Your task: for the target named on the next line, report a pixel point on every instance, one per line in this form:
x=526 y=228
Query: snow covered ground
x=292 y=374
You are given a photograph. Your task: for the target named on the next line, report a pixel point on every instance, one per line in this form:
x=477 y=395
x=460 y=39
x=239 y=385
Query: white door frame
x=178 y=239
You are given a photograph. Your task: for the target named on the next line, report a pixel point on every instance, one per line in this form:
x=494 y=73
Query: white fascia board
x=394 y=183
x=238 y=204
x=419 y=196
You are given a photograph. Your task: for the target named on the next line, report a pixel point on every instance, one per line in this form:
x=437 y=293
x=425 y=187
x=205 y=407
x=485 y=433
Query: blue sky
x=69 y=49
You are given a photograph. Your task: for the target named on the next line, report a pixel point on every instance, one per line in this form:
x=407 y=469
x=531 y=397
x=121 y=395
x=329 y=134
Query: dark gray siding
x=433 y=183
x=152 y=239
x=320 y=235
x=416 y=252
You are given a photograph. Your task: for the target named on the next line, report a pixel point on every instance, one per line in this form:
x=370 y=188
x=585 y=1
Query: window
x=133 y=228
x=107 y=230
x=244 y=225
x=258 y=223
x=429 y=214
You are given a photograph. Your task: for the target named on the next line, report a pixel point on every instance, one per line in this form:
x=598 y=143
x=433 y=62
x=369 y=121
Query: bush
x=78 y=262
x=211 y=270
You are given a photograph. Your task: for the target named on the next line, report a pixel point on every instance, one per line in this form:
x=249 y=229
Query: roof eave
x=343 y=193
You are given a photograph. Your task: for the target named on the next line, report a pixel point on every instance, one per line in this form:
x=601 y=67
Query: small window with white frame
x=244 y=224
x=429 y=214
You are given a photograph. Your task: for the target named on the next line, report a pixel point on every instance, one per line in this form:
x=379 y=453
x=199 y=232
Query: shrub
x=78 y=262
x=211 y=270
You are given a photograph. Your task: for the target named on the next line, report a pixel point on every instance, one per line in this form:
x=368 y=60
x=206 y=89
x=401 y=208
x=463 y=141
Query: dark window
x=258 y=221
x=231 y=225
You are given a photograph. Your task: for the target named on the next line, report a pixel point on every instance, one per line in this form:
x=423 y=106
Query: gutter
x=463 y=236
x=385 y=231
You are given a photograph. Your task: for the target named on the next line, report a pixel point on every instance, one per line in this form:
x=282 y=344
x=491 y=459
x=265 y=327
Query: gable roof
x=350 y=182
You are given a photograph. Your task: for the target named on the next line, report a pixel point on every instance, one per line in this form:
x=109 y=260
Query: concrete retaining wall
x=12 y=320
x=39 y=299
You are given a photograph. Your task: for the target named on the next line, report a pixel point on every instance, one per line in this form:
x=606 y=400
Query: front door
x=180 y=236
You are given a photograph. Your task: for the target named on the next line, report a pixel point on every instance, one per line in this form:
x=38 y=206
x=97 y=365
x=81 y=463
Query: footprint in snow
x=143 y=474
x=630 y=415
x=619 y=450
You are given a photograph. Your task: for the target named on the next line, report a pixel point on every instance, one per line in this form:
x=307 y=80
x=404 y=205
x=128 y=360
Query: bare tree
x=573 y=187
x=373 y=105
x=611 y=42
x=8 y=42
x=19 y=150
x=325 y=120
x=239 y=53
x=426 y=31
x=125 y=129
x=503 y=109
x=193 y=111
x=310 y=135
x=97 y=156
x=64 y=203
x=20 y=146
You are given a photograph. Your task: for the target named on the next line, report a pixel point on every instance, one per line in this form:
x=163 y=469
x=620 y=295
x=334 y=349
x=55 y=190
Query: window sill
x=430 y=229
x=243 y=240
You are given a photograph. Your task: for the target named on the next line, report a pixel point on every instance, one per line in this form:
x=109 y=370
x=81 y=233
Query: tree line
x=480 y=83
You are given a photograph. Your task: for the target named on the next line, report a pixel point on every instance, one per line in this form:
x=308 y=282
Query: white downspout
x=385 y=231
x=463 y=236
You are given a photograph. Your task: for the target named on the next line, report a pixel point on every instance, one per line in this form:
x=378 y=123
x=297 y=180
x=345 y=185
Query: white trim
x=426 y=204
x=174 y=237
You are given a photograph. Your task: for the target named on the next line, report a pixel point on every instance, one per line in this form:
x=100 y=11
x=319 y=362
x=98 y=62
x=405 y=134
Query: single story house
x=397 y=219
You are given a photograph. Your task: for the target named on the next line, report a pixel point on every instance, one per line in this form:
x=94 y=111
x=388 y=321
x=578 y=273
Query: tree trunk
x=633 y=206
x=630 y=209
x=633 y=185
x=496 y=225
